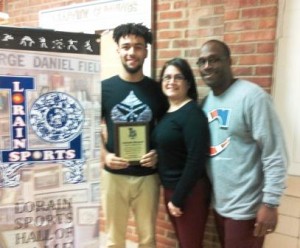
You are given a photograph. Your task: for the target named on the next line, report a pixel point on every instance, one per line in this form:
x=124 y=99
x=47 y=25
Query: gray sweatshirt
x=248 y=156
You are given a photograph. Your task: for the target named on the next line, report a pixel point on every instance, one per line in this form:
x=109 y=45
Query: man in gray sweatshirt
x=248 y=160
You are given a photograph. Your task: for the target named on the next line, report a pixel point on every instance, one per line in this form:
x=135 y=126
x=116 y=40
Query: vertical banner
x=49 y=139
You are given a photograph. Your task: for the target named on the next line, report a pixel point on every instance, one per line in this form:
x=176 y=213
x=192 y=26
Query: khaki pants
x=120 y=193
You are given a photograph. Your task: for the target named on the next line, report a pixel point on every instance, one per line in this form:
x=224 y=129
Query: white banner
x=96 y=15
x=49 y=139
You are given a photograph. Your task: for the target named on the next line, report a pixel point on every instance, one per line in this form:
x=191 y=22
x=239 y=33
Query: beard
x=132 y=70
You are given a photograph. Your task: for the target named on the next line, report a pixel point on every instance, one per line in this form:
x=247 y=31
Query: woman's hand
x=175 y=211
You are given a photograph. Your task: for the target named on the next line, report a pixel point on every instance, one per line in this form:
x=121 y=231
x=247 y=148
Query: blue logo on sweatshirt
x=223 y=116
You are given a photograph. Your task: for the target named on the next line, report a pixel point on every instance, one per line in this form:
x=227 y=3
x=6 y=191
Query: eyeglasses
x=210 y=60
x=177 y=78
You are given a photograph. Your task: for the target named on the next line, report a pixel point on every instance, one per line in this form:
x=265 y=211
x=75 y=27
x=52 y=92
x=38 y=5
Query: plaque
x=131 y=141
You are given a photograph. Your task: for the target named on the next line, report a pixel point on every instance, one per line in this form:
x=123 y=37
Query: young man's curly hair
x=132 y=29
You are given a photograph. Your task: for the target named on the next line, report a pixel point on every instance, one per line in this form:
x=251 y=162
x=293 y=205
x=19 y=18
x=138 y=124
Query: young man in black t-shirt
x=130 y=96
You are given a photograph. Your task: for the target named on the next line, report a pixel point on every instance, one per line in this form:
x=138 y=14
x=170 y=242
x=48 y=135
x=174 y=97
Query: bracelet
x=268 y=205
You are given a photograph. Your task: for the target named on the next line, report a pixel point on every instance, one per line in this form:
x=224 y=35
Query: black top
x=124 y=101
x=182 y=142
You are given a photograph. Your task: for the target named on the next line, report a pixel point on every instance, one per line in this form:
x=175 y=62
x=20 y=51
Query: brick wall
x=248 y=27
x=181 y=26
x=2 y=5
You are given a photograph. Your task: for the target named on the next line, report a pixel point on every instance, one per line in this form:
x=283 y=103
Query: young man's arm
x=108 y=158
x=149 y=159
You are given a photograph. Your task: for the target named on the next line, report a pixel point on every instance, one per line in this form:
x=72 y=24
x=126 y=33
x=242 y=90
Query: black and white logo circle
x=57 y=117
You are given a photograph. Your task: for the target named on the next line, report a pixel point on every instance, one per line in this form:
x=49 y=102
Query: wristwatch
x=268 y=205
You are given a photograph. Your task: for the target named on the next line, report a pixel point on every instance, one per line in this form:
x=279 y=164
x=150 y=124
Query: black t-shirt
x=124 y=101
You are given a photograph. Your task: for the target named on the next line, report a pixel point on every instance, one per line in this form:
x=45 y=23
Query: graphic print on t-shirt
x=223 y=116
x=131 y=109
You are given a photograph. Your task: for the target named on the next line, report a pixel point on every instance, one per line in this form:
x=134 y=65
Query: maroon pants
x=190 y=226
x=237 y=233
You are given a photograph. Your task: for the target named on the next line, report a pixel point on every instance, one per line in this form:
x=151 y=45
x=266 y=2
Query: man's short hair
x=137 y=29
x=222 y=44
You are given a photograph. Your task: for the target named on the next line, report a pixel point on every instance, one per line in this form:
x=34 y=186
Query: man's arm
x=108 y=158
x=269 y=136
x=149 y=159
